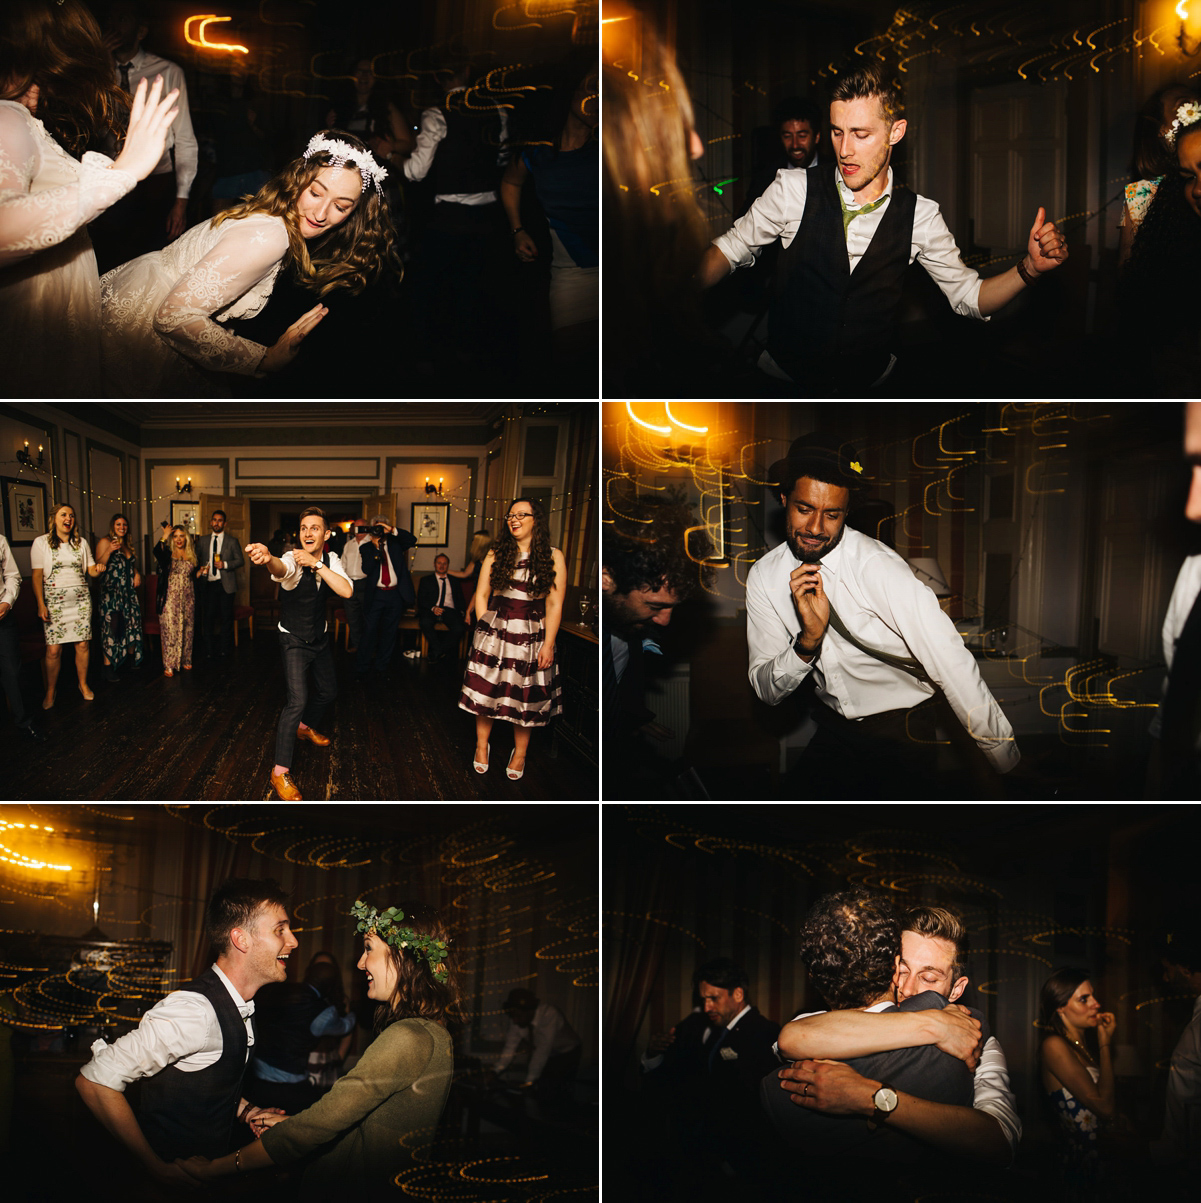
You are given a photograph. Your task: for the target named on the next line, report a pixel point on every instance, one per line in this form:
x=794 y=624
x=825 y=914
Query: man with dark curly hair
x=851 y=944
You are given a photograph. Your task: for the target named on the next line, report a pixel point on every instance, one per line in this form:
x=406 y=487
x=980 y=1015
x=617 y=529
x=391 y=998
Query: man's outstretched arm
x=841 y=1035
x=836 y=1089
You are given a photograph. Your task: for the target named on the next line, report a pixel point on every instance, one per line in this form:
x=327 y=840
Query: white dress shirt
x=181 y=1030
x=293 y=572
x=1184 y=1092
x=778 y=212
x=549 y=1033
x=991 y=1091
x=888 y=609
x=10 y=574
x=216 y=542
x=180 y=134
x=432 y=131
x=352 y=560
x=1184 y=594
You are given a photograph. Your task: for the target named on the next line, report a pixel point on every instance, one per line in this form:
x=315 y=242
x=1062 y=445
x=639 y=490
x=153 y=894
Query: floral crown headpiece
x=386 y=925
x=342 y=153
x=1186 y=114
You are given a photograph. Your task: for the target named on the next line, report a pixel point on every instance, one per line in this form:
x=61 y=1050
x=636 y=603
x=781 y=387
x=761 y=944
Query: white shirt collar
x=848 y=196
x=731 y=1024
x=241 y=1003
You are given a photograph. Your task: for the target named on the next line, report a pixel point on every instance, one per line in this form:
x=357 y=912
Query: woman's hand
x=525 y=246
x=287 y=346
x=268 y=1119
x=198 y=1168
x=203 y=570
x=149 y=120
x=1106 y=1024
x=546 y=655
x=137 y=580
x=43 y=613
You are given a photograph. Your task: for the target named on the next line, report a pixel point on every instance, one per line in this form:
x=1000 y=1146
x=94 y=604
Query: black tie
x=124 y=69
x=442 y=593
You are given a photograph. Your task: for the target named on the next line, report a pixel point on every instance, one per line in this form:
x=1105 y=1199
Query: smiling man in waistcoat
x=305 y=577
x=191 y=1048
x=848 y=236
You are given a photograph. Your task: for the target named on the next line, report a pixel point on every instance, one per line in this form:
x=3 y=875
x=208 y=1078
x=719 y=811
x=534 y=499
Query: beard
x=617 y=620
x=811 y=555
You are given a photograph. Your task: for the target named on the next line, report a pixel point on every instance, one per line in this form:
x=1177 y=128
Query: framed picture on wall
x=187 y=515
x=24 y=510
x=431 y=523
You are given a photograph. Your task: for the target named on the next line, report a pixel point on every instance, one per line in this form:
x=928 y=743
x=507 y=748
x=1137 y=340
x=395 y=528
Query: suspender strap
x=904 y=663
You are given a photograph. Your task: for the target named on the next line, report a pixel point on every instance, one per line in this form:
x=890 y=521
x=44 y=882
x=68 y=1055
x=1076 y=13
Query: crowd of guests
x=516 y=586
x=900 y=1083
x=387 y=217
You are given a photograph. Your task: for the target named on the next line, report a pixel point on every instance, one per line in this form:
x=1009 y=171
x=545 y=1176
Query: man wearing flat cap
x=837 y=605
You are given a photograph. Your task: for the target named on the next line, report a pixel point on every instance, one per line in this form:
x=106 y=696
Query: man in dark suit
x=438 y=599
x=219 y=557
x=709 y=1067
x=390 y=589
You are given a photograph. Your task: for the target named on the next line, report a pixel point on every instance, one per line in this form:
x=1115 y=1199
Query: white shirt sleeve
x=186 y=148
x=292 y=571
x=512 y=1040
x=335 y=566
x=12 y=574
x=775 y=670
x=546 y=1026
x=939 y=254
x=30 y=222
x=766 y=220
x=991 y=1092
x=247 y=251
x=181 y=1029
x=433 y=130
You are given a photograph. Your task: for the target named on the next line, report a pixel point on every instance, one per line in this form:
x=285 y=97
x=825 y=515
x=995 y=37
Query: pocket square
x=727 y=1053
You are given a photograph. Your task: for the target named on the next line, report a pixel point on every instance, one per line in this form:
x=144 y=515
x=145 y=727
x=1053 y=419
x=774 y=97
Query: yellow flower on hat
x=856 y=466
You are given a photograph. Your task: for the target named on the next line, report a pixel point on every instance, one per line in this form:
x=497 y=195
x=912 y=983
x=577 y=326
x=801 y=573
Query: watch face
x=885 y=1099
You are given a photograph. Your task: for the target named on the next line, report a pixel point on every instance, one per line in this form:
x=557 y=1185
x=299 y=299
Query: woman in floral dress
x=60 y=559
x=176 y=598
x=120 y=609
x=511 y=673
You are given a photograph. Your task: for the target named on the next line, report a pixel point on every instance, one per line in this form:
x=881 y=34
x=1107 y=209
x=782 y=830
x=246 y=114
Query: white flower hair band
x=341 y=153
x=1186 y=114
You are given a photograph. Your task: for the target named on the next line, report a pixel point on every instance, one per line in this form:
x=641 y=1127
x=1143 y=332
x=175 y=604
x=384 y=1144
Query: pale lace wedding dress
x=161 y=313
x=49 y=289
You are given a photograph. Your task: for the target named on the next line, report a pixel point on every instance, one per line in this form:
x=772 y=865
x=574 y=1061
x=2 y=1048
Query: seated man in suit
x=438 y=599
x=385 y=562
x=908 y=1098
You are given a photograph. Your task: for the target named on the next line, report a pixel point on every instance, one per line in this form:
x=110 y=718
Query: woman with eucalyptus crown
x=398 y=1087
x=163 y=314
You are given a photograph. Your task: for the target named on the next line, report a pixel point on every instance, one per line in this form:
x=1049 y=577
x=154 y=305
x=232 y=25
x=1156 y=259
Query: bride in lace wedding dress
x=49 y=288
x=163 y=313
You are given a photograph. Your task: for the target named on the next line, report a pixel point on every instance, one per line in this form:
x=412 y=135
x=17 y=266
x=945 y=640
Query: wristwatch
x=885 y=1102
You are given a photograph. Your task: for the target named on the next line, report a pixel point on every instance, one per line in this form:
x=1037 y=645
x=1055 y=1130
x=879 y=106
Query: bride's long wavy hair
x=353 y=254
x=58 y=48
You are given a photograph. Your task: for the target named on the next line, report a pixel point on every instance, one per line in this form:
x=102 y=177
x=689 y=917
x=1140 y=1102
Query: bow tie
x=246 y=1010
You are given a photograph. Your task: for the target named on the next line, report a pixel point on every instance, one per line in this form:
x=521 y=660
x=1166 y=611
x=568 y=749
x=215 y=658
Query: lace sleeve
x=247 y=252
x=31 y=221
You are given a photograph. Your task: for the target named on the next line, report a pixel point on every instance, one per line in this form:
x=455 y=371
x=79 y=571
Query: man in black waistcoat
x=848 y=237
x=305 y=577
x=191 y=1048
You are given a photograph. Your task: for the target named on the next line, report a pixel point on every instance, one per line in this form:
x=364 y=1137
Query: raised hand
x=1047 y=248
x=149 y=120
x=287 y=346
x=810 y=601
x=258 y=553
x=1106 y=1024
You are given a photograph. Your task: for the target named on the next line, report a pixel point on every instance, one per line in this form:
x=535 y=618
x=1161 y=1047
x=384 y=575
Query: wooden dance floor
x=209 y=735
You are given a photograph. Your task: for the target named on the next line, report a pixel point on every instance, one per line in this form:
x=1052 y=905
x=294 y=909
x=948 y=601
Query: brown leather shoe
x=285 y=787
x=314 y=737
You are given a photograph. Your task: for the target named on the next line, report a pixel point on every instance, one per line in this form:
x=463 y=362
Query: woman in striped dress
x=511 y=673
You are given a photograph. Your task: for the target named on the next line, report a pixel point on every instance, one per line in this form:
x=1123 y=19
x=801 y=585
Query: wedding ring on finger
x=805 y=1092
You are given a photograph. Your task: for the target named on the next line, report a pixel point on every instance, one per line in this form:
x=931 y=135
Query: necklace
x=1083 y=1050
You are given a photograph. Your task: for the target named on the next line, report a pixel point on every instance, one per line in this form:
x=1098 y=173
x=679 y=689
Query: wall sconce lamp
x=1182 y=38
x=24 y=457
x=183 y=488
x=429 y=488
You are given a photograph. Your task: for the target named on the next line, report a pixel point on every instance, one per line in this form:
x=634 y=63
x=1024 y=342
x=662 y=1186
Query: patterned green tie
x=848 y=215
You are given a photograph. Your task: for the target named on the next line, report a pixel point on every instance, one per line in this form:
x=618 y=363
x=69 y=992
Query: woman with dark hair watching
x=58 y=99
x=176 y=598
x=163 y=313
x=511 y=672
x=398 y=1087
x=1154 y=157
x=481 y=544
x=120 y=608
x=61 y=562
x=1077 y=1070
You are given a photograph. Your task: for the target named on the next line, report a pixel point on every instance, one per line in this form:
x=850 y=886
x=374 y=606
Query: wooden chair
x=150 y=619
x=246 y=612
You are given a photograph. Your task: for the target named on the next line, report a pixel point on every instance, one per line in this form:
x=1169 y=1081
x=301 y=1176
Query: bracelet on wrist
x=1028 y=277
x=519 y=230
